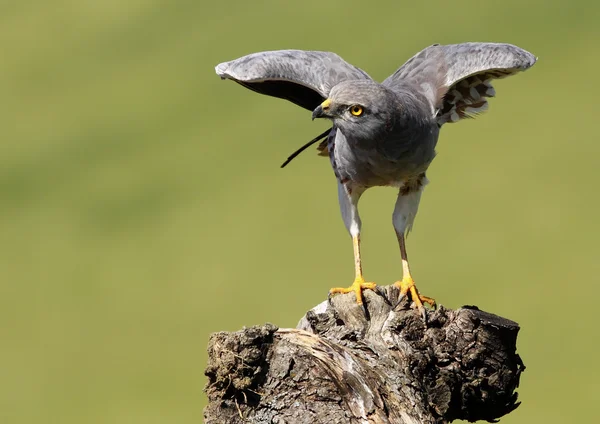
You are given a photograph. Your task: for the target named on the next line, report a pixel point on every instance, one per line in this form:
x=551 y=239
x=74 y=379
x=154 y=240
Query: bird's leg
x=359 y=282
x=403 y=217
x=348 y=196
x=407 y=284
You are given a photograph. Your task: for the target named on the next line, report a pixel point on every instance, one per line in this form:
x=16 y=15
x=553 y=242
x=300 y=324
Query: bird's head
x=364 y=108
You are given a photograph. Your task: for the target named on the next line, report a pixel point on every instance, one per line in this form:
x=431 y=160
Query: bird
x=382 y=133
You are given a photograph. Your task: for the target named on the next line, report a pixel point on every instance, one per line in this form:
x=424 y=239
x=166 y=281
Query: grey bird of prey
x=383 y=134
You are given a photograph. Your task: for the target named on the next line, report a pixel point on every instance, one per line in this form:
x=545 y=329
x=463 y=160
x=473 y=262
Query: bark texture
x=375 y=363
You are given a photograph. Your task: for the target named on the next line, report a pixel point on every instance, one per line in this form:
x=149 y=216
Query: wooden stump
x=346 y=363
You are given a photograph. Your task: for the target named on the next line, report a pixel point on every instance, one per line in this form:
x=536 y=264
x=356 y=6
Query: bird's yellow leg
x=359 y=282
x=407 y=284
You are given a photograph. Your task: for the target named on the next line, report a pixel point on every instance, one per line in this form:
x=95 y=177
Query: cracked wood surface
x=346 y=363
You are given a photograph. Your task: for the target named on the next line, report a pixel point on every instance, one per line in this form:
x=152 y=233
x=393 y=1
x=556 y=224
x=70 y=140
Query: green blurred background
x=142 y=204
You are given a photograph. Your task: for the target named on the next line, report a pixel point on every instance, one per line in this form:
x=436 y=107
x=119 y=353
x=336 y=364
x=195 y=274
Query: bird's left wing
x=456 y=78
x=302 y=77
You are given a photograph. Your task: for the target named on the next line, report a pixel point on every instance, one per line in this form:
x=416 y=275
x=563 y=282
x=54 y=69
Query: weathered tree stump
x=346 y=363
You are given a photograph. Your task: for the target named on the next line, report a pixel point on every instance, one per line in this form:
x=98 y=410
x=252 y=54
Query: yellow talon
x=359 y=282
x=357 y=287
x=407 y=285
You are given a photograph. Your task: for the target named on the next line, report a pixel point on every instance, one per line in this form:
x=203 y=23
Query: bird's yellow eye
x=356 y=110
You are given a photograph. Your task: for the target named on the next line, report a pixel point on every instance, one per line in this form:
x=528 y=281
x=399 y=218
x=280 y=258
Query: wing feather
x=456 y=78
x=302 y=77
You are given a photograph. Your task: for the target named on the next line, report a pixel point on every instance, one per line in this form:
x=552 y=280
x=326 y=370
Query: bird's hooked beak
x=322 y=111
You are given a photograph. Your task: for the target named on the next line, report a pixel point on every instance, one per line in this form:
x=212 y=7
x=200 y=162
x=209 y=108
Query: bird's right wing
x=302 y=77
x=456 y=78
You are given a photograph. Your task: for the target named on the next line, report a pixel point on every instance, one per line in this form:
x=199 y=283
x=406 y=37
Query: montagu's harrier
x=383 y=134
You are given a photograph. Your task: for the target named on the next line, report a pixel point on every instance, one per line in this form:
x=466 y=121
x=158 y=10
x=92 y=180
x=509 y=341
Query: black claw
x=366 y=311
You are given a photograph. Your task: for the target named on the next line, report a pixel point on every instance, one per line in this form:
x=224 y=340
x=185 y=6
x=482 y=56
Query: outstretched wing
x=456 y=79
x=302 y=77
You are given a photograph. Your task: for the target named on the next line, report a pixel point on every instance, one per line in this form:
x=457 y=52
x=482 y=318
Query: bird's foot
x=407 y=285
x=357 y=287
